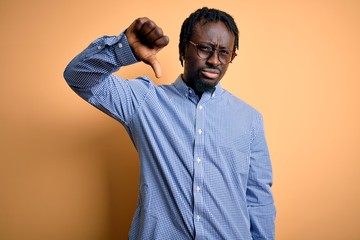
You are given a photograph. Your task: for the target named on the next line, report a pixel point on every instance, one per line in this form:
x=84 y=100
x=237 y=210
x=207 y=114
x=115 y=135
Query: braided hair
x=206 y=15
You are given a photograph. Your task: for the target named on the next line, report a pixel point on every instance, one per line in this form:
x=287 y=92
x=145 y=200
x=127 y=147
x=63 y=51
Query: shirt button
x=99 y=47
x=198 y=189
x=198 y=217
x=120 y=45
x=200 y=107
x=200 y=131
x=198 y=160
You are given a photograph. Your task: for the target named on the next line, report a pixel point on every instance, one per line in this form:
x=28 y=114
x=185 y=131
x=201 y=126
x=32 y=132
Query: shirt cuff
x=123 y=51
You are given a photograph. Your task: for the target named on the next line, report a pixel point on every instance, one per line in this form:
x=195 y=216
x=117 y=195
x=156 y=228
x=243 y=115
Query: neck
x=191 y=85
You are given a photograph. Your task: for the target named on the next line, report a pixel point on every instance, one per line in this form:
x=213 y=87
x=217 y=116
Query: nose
x=214 y=58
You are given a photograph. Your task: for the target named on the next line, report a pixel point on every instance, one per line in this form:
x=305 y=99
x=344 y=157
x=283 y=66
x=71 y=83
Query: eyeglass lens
x=205 y=51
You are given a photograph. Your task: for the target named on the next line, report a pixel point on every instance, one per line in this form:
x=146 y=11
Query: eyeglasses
x=205 y=51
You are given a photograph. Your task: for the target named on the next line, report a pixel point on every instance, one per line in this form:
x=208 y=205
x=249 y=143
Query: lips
x=210 y=73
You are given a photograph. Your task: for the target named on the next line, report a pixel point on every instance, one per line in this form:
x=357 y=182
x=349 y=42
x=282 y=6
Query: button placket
x=198 y=168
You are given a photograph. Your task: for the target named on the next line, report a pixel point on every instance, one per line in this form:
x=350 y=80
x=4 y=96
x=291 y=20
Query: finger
x=161 y=41
x=133 y=31
x=139 y=23
x=154 y=33
x=155 y=64
x=151 y=33
x=148 y=26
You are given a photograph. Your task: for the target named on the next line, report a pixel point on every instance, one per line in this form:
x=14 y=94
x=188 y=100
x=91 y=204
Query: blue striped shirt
x=205 y=171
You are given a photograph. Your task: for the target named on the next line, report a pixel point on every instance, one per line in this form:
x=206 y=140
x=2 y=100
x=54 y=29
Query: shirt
x=205 y=170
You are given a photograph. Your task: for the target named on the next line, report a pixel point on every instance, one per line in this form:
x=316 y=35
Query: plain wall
x=69 y=172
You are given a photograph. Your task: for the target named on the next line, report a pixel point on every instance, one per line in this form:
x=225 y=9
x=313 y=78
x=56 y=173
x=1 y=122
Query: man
x=205 y=168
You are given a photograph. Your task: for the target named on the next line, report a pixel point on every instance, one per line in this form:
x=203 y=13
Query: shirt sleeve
x=259 y=196
x=90 y=75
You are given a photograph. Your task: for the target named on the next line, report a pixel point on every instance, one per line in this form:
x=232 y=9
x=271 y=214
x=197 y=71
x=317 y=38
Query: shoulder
x=238 y=104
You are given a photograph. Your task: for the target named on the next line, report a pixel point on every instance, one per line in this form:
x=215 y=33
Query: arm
x=259 y=196
x=102 y=57
x=97 y=62
x=90 y=73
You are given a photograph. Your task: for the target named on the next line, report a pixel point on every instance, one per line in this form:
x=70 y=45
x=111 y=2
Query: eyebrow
x=214 y=45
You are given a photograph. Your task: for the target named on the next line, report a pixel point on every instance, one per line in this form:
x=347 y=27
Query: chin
x=204 y=86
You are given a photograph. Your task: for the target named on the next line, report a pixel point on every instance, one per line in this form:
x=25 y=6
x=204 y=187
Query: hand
x=146 y=39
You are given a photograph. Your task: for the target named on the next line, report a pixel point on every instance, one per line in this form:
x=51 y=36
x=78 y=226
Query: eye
x=205 y=48
x=224 y=52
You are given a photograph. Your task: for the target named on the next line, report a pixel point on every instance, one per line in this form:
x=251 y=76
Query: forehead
x=213 y=32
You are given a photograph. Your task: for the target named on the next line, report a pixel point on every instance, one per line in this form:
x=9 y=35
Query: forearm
x=97 y=62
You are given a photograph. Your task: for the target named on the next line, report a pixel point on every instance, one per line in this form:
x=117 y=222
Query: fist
x=146 y=39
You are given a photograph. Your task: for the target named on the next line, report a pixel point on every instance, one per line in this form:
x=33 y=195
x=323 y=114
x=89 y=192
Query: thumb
x=155 y=64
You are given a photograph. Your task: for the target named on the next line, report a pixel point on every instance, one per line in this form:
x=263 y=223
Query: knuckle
x=140 y=21
x=150 y=24
x=158 y=31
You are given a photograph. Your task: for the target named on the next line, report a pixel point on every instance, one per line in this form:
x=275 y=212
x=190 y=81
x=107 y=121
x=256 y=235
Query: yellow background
x=69 y=172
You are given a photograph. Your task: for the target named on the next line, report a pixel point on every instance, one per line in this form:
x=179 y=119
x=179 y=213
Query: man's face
x=203 y=74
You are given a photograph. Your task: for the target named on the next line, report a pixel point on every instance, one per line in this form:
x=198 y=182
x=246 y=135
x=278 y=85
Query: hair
x=206 y=15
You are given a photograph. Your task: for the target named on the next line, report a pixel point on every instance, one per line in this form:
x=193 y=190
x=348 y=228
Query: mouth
x=210 y=73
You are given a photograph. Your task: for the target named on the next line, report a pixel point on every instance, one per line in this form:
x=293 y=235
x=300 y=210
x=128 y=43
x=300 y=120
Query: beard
x=202 y=86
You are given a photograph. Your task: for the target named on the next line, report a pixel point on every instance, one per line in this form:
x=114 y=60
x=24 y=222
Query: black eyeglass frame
x=213 y=49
